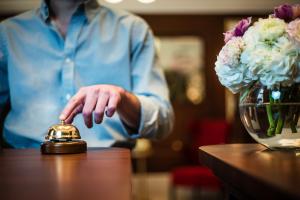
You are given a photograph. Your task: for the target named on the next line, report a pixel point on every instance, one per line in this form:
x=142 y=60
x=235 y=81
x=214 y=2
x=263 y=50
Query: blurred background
x=188 y=39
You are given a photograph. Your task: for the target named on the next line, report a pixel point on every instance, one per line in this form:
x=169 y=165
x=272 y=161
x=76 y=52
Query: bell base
x=65 y=147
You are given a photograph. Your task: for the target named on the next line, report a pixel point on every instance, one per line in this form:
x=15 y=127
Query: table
x=98 y=174
x=250 y=171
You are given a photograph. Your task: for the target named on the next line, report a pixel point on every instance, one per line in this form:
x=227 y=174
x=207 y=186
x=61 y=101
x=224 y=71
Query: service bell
x=63 y=138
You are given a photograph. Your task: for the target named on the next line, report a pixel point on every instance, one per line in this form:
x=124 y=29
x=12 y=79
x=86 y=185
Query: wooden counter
x=250 y=171
x=98 y=174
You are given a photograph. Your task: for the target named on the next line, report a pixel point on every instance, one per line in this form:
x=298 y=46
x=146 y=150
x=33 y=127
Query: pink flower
x=293 y=30
x=238 y=30
x=296 y=11
x=287 y=12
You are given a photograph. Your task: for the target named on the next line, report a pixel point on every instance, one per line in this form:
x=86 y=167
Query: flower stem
x=279 y=125
x=295 y=121
x=271 y=128
x=293 y=125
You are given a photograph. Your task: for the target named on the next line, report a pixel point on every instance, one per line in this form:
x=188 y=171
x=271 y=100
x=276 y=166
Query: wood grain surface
x=98 y=174
x=250 y=171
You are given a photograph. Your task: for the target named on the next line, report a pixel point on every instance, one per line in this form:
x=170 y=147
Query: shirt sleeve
x=4 y=94
x=149 y=85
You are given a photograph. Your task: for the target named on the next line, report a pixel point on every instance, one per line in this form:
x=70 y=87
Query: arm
x=149 y=85
x=146 y=111
x=4 y=93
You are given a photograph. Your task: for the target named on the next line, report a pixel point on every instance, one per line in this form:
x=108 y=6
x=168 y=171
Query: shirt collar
x=90 y=10
x=43 y=11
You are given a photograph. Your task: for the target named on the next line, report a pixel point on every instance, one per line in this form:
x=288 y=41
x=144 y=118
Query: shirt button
x=68 y=60
x=68 y=96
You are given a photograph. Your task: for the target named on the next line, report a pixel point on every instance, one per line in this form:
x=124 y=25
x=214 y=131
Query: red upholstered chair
x=195 y=176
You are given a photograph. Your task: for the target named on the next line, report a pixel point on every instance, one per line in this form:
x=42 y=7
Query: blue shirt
x=40 y=70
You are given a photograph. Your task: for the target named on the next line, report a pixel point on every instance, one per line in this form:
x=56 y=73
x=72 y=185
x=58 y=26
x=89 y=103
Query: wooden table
x=102 y=174
x=250 y=171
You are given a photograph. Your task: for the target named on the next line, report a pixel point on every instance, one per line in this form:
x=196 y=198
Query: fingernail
x=98 y=120
x=110 y=112
x=62 y=117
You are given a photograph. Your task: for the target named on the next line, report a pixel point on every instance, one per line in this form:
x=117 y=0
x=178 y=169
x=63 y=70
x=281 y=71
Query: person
x=76 y=57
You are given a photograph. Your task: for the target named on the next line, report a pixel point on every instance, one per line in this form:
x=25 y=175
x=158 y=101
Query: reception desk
x=250 y=171
x=98 y=174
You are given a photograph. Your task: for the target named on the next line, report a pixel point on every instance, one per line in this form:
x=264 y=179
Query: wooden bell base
x=63 y=147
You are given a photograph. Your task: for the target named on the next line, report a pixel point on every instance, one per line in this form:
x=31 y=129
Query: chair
x=195 y=176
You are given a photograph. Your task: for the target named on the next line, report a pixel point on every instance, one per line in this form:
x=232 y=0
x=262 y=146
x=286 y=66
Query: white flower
x=230 y=71
x=297 y=76
x=264 y=30
x=269 y=54
x=293 y=30
x=270 y=28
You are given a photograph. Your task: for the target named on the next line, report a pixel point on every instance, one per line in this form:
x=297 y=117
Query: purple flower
x=284 y=12
x=238 y=30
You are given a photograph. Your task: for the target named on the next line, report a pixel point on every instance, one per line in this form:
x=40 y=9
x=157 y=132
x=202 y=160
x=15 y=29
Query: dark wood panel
x=209 y=29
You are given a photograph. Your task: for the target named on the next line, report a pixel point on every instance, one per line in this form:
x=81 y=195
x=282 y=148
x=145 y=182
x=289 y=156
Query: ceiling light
x=114 y=1
x=146 y=1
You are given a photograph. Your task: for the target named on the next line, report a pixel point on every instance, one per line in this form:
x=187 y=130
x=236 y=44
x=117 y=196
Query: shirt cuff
x=148 y=118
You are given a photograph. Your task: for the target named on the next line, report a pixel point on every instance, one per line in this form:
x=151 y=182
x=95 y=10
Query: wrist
x=129 y=111
x=129 y=101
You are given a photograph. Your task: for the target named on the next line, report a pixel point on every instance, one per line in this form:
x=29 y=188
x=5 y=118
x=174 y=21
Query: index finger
x=75 y=101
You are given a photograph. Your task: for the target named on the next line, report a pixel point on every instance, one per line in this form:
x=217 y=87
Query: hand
x=97 y=99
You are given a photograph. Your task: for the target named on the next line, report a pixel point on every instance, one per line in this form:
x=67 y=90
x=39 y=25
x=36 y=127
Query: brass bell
x=63 y=138
x=62 y=132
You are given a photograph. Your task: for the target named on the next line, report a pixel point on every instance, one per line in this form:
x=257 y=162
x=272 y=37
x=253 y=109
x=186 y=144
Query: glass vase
x=271 y=116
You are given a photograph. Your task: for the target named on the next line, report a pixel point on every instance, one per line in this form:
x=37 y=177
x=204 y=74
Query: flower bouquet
x=261 y=61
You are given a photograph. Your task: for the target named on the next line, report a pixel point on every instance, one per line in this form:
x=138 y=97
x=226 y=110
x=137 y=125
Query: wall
x=169 y=6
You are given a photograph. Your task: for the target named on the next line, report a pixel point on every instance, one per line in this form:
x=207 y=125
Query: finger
x=76 y=111
x=88 y=108
x=100 y=107
x=75 y=101
x=112 y=104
